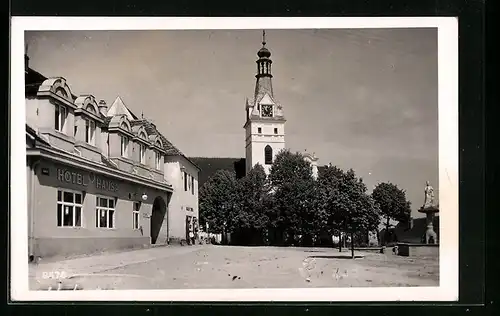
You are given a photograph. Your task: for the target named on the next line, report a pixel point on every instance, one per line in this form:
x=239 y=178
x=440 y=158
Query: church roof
x=209 y=166
x=263 y=86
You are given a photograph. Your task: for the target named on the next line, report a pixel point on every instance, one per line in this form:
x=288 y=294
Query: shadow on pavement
x=336 y=257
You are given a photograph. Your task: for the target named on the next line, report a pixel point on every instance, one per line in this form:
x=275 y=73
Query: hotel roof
x=34 y=79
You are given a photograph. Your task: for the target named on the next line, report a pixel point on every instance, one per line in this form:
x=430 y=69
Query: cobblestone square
x=221 y=267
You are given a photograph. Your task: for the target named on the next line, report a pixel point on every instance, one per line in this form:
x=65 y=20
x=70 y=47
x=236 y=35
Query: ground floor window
x=105 y=212
x=135 y=215
x=69 y=208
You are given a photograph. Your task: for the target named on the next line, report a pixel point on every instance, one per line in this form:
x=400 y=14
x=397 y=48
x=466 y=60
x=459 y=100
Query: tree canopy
x=392 y=202
x=252 y=194
x=293 y=194
x=218 y=201
x=289 y=201
x=343 y=202
x=289 y=167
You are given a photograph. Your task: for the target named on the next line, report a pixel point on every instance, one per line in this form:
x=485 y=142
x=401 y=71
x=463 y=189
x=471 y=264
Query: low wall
x=418 y=250
x=49 y=247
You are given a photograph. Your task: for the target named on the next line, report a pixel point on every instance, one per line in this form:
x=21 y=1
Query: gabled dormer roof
x=119 y=108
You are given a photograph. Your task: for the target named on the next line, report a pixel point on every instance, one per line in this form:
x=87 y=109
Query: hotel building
x=98 y=176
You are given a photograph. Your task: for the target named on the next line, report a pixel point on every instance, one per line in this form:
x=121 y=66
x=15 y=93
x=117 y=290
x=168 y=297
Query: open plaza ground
x=220 y=267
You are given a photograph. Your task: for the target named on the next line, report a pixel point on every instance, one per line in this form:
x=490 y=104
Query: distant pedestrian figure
x=195 y=230
x=191 y=237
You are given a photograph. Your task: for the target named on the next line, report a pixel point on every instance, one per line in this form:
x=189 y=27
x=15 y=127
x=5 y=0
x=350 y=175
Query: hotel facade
x=99 y=177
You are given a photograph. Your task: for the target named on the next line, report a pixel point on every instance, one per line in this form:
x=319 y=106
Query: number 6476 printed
x=54 y=275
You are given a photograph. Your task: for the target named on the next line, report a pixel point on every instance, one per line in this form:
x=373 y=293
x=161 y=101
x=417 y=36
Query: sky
x=365 y=99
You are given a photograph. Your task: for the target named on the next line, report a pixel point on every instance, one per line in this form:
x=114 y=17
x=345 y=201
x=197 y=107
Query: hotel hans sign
x=86 y=179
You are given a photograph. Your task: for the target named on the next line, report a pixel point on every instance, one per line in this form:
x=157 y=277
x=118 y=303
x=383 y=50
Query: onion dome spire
x=264 y=52
x=264 y=62
x=263 y=84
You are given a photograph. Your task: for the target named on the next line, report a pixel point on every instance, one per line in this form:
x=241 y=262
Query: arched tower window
x=268 y=155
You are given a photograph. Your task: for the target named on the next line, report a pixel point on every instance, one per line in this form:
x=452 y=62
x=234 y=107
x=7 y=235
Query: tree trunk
x=340 y=241
x=352 y=245
x=387 y=231
x=345 y=236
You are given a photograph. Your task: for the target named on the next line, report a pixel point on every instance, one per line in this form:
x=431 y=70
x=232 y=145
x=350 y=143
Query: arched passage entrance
x=157 y=217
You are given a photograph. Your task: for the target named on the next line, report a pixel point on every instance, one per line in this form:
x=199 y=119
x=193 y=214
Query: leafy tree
x=328 y=182
x=289 y=167
x=252 y=201
x=294 y=208
x=392 y=203
x=217 y=201
x=294 y=195
x=345 y=206
x=364 y=214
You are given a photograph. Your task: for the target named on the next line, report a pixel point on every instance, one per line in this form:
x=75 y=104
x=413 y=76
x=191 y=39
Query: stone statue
x=429 y=195
x=430 y=236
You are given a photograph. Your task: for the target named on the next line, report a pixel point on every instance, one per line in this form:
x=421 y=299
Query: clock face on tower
x=267 y=111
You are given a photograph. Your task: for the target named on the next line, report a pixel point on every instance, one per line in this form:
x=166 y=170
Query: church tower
x=265 y=122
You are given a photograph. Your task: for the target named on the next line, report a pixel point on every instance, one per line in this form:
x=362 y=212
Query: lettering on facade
x=85 y=180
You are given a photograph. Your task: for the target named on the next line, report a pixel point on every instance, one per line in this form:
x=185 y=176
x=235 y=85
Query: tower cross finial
x=263 y=37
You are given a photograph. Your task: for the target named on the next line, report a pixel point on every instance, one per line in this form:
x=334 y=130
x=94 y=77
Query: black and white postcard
x=234 y=159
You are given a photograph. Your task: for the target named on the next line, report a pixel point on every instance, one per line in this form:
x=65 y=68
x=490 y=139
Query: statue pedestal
x=430 y=234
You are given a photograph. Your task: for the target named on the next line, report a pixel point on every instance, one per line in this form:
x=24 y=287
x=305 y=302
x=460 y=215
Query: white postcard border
x=448 y=161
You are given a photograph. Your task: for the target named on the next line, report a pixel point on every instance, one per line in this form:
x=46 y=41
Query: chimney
x=103 y=108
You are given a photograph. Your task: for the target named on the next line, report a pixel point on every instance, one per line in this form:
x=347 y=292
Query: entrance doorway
x=157 y=218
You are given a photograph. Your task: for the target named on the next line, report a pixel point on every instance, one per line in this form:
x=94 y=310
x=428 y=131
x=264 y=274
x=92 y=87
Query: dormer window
x=90 y=132
x=158 y=155
x=142 y=153
x=157 y=160
x=142 y=147
x=60 y=118
x=124 y=146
